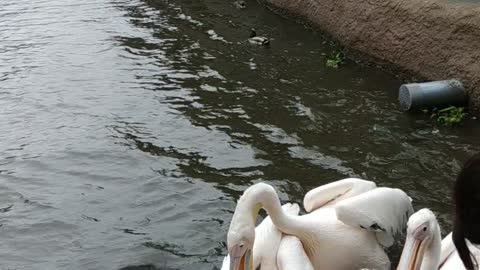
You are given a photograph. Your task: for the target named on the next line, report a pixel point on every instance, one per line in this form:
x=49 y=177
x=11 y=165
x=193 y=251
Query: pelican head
x=240 y=245
x=241 y=234
x=423 y=243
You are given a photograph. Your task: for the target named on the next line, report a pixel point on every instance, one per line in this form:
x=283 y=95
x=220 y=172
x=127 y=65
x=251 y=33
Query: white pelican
x=347 y=232
x=267 y=242
x=424 y=248
x=291 y=255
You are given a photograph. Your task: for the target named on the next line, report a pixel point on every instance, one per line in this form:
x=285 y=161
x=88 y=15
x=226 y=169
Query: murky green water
x=129 y=128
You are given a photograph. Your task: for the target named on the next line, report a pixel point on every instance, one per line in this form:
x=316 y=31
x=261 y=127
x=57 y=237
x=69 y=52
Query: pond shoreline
x=429 y=39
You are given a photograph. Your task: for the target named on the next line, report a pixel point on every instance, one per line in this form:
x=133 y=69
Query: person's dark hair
x=467 y=211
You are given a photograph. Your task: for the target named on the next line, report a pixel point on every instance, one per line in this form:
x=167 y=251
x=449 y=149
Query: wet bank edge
x=427 y=38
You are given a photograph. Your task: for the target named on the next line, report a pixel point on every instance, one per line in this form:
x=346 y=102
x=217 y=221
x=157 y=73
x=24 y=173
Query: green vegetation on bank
x=449 y=116
x=335 y=60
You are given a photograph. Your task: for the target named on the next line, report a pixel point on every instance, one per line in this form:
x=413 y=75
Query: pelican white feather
x=267 y=240
x=291 y=255
x=226 y=263
x=384 y=211
x=448 y=248
x=453 y=261
x=336 y=191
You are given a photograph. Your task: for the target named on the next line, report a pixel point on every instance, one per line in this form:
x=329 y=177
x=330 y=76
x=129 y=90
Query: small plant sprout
x=449 y=116
x=335 y=60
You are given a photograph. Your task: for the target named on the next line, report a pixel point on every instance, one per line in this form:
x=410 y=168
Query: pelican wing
x=384 y=211
x=334 y=192
x=267 y=239
x=449 y=258
x=291 y=255
x=448 y=248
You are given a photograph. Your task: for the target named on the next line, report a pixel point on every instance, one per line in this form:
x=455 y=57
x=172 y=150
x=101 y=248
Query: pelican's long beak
x=412 y=254
x=243 y=262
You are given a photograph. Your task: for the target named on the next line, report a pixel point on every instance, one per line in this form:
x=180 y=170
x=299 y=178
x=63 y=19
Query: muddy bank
x=433 y=39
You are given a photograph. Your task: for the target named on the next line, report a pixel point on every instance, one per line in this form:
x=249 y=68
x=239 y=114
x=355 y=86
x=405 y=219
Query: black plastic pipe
x=432 y=94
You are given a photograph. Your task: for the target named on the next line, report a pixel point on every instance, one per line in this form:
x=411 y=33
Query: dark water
x=128 y=129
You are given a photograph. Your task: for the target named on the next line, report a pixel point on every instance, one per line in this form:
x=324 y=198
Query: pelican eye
x=424 y=229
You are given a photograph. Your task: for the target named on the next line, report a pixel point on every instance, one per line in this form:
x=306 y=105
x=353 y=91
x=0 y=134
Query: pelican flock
x=347 y=227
